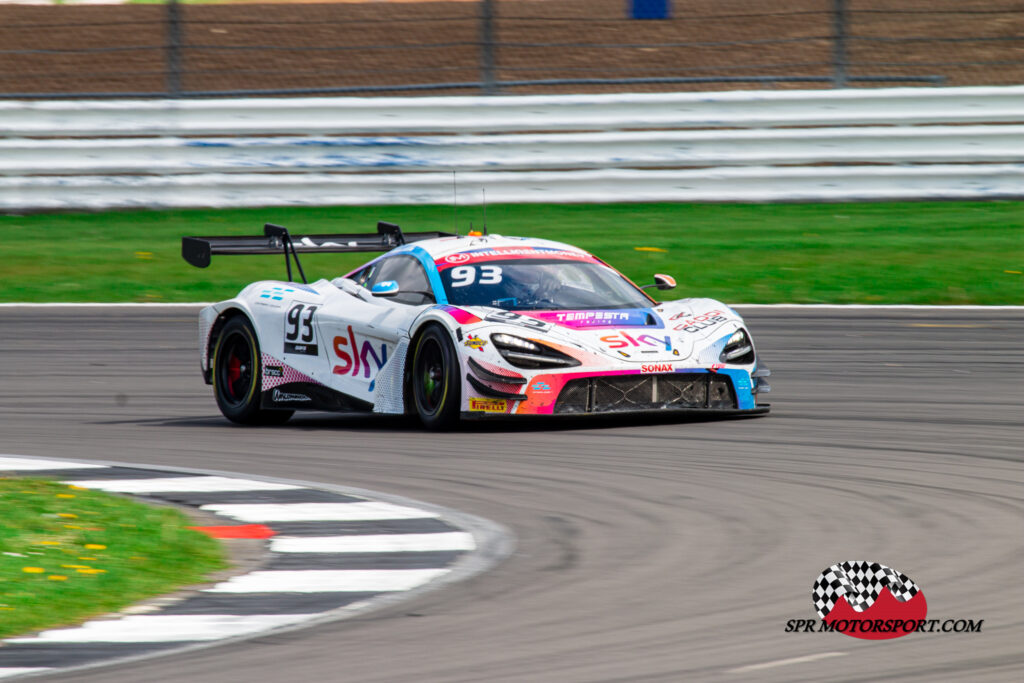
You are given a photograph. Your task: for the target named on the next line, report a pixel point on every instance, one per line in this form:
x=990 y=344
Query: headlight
x=515 y=343
x=738 y=349
x=523 y=353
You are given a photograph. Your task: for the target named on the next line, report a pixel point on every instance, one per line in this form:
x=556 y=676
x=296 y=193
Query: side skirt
x=309 y=396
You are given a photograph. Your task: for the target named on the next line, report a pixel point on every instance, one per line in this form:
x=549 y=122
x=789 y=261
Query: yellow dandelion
x=91 y=570
x=95 y=546
x=77 y=488
x=47 y=542
x=33 y=570
x=65 y=495
x=67 y=515
x=72 y=526
x=57 y=577
x=75 y=566
x=655 y=249
x=88 y=559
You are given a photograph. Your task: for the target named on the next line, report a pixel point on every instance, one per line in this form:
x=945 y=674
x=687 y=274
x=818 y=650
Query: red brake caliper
x=234 y=372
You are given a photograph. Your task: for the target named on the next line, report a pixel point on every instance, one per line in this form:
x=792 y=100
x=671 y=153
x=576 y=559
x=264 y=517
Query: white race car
x=448 y=326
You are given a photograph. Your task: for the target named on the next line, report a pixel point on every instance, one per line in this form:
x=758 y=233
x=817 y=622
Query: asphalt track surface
x=647 y=550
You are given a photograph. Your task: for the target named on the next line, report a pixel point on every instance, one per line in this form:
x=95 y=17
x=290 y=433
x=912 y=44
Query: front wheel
x=435 y=379
x=236 y=376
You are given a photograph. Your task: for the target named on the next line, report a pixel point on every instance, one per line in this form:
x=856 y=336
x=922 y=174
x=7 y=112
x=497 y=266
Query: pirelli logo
x=488 y=405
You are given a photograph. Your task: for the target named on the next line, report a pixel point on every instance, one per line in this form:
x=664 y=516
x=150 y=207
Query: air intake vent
x=627 y=393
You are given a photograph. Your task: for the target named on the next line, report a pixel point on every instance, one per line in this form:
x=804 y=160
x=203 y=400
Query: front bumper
x=641 y=393
x=719 y=390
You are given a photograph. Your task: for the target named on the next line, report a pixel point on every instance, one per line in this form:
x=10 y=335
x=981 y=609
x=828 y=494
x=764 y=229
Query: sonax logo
x=656 y=367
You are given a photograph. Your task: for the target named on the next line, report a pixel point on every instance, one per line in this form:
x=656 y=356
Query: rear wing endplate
x=276 y=240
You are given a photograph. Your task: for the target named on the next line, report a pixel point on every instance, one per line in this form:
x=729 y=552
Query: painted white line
x=135 y=624
x=11 y=463
x=164 y=628
x=328 y=581
x=8 y=671
x=316 y=512
x=784 y=662
x=384 y=543
x=181 y=485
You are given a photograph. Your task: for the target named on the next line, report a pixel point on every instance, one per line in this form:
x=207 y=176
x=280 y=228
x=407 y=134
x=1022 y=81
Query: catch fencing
x=903 y=143
x=503 y=47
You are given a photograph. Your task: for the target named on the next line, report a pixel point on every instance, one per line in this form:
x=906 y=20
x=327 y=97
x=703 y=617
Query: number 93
x=463 y=276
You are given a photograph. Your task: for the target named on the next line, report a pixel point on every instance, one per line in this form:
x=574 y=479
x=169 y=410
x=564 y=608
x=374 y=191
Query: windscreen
x=540 y=284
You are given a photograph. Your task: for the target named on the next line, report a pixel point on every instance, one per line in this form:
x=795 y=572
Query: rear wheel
x=236 y=376
x=435 y=379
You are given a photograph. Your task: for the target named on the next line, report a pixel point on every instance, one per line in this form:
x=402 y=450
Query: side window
x=364 y=275
x=413 y=286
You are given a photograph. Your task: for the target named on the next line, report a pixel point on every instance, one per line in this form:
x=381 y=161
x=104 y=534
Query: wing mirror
x=385 y=288
x=662 y=282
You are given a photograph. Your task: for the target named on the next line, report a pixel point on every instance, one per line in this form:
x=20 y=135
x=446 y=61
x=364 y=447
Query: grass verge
x=69 y=554
x=873 y=253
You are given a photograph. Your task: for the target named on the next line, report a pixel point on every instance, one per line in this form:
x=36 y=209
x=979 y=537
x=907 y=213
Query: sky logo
x=623 y=340
x=359 y=360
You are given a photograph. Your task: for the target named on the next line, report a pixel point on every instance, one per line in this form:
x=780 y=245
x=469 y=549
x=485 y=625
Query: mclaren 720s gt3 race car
x=447 y=326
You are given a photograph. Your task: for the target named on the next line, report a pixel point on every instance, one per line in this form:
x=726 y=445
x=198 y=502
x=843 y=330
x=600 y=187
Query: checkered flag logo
x=860 y=583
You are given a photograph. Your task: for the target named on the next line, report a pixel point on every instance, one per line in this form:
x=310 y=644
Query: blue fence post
x=650 y=9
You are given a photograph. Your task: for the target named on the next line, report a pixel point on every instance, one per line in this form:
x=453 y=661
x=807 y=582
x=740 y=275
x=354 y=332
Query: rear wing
x=276 y=240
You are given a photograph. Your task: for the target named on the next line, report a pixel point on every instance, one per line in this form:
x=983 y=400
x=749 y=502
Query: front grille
x=625 y=393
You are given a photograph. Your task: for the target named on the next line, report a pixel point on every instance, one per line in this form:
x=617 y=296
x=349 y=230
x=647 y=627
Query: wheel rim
x=236 y=372
x=431 y=375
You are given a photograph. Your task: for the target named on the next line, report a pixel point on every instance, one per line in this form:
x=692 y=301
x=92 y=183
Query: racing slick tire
x=236 y=376
x=436 y=387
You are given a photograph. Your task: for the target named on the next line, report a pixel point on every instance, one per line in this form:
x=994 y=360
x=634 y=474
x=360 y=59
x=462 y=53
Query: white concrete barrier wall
x=644 y=149
x=755 y=184
x=320 y=151
x=533 y=112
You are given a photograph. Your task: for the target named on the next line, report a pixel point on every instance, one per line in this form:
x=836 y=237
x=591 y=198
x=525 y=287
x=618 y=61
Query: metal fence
x=503 y=47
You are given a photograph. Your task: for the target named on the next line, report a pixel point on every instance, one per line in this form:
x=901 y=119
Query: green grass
x=69 y=554
x=916 y=253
